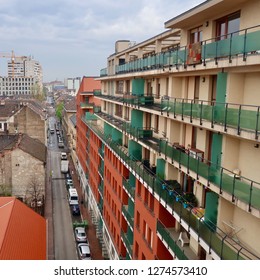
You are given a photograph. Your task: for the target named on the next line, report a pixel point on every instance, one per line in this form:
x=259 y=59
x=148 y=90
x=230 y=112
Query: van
x=73 y=197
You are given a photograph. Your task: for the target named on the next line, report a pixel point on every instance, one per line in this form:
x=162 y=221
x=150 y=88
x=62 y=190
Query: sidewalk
x=48 y=213
x=95 y=247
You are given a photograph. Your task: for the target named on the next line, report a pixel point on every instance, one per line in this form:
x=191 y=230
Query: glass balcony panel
x=249 y=119
x=182 y=56
x=252 y=41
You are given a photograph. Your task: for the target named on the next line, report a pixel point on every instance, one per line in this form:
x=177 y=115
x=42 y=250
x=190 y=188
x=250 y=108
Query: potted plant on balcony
x=191 y=199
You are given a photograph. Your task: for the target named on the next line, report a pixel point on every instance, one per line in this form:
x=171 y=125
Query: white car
x=84 y=251
x=80 y=235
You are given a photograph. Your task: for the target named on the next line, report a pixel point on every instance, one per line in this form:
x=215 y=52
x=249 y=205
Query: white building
x=73 y=84
x=24 y=77
x=25 y=66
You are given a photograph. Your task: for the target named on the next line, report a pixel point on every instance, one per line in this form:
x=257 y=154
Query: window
x=196 y=35
x=227 y=25
x=118 y=110
x=119 y=87
x=137 y=219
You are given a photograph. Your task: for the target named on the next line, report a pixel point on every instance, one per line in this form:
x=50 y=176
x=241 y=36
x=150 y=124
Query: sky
x=73 y=38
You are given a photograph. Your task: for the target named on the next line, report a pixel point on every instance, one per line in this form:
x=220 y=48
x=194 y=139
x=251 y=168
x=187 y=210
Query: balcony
x=168 y=236
x=101 y=152
x=229 y=115
x=239 y=44
x=97 y=92
x=103 y=72
x=128 y=216
x=101 y=188
x=139 y=100
x=241 y=188
x=224 y=246
x=89 y=93
x=129 y=188
x=86 y=105
x=128 y=244
x=88 y=117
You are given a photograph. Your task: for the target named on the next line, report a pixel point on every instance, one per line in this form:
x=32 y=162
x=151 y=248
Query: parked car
x=75 y=210
x=63 y=156
x=67 y=176
x=80 y=234
x=69 y=181
x=84 y=251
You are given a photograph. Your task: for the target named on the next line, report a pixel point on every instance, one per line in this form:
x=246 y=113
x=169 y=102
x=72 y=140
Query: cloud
x=80 y=33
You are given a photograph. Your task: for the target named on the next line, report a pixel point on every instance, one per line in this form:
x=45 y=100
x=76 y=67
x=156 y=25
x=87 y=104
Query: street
x=64 y=241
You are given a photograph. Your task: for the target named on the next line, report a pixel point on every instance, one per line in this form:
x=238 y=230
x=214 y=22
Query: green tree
x=59 y=109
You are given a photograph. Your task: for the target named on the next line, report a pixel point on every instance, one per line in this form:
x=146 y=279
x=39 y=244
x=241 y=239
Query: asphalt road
x=64 y=241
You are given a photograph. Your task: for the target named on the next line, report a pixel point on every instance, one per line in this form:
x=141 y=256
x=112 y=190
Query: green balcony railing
x=128 y=216
x=166 y=236
x=241 y=117
x=86 y=105
x=100 y=204
x=97 y=92
x=129 y=188
x=101 y=152
x=101 y=187
x=212 y=235
x=243 y=42
x=241 y=188
x=128 y=244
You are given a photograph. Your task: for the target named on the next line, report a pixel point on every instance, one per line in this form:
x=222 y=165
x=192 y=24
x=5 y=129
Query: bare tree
x=35 y=195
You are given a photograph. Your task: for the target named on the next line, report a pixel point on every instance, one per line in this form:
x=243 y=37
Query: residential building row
x=168 y=140
x=23 y=156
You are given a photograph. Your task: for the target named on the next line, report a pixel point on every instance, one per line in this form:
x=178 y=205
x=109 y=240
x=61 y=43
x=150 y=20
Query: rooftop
x=22 y=141
x=22 y=231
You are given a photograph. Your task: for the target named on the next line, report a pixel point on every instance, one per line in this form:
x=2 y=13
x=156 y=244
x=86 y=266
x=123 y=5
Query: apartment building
x=89 y=87
x=24 y=77
x=172 y=158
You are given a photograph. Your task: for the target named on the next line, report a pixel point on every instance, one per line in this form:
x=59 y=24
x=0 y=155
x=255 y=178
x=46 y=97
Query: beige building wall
x=250 y=14
x=5 y=173
x=240 y=225
x=27 y=121
x=25 y=169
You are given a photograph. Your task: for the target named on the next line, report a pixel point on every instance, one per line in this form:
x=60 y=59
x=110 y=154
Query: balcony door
x=226 y=25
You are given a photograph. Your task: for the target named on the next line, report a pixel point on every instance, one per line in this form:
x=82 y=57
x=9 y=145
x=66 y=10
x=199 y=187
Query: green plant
x=191 y=198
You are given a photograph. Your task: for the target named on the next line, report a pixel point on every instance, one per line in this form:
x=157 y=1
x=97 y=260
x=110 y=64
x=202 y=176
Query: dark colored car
x=75 y=210
x=67 y=176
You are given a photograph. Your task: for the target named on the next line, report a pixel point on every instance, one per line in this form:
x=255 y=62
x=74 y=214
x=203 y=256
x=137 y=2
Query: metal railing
x=224 y=246
x=238 y=116
x=166 y=236
x=243 y=42
x=243 y=188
